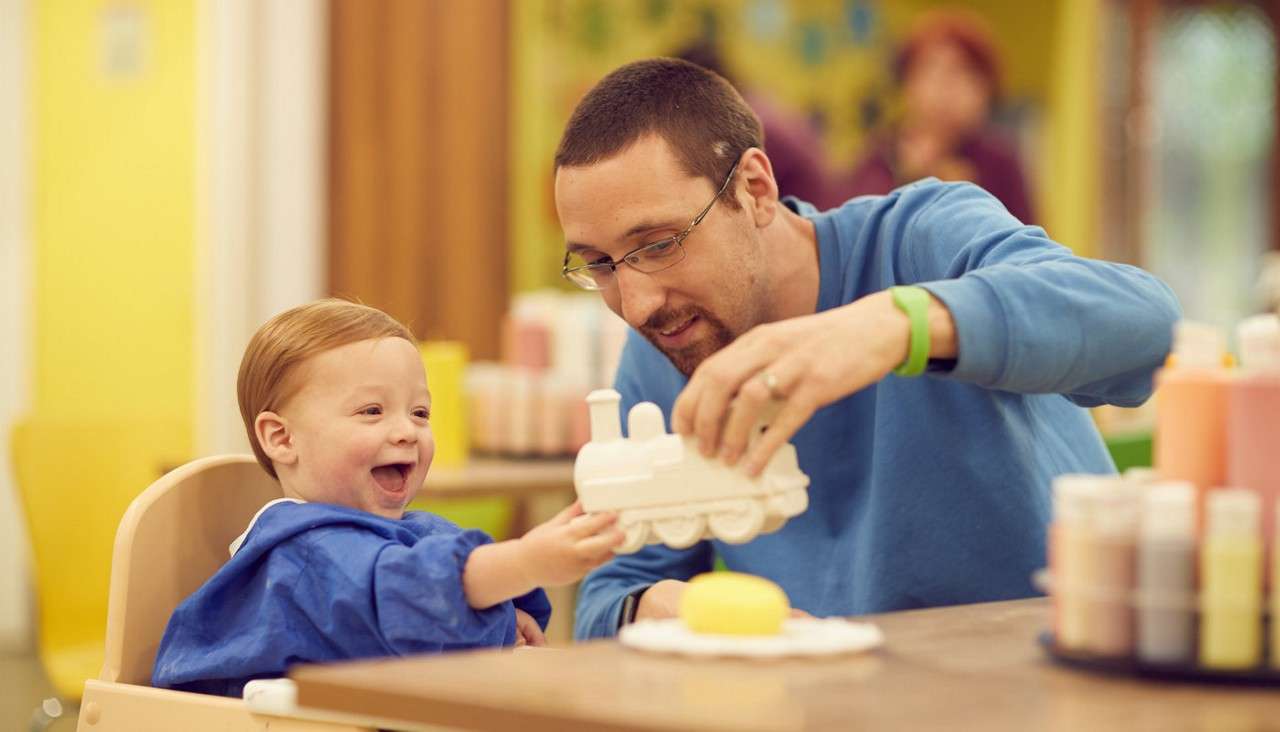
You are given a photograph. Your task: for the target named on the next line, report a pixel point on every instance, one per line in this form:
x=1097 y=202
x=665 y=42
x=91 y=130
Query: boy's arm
x=558 y=552
x=496 y=573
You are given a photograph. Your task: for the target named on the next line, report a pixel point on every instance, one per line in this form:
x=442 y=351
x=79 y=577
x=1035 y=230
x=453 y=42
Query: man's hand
x=809 y=361
x=568 y=546
x=527 y=631
x=661 y=601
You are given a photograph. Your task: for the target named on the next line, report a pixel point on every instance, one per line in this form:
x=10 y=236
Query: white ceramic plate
x=799 y=637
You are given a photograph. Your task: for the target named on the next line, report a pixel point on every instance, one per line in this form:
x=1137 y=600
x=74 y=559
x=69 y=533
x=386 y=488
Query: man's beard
x=688 y=358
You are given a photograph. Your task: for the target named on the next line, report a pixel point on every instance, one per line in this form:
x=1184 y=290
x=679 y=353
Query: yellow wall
x=113 y=196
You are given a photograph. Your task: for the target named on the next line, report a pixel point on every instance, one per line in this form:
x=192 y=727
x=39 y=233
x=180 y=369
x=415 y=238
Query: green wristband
x=914 y=301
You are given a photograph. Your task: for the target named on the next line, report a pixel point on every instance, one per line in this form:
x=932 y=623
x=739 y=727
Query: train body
x=665 y=491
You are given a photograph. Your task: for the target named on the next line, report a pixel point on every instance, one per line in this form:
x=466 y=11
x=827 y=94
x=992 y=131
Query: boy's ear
x=275 y=438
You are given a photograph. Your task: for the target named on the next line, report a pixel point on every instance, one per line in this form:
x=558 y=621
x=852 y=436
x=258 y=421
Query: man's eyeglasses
x=650 y=258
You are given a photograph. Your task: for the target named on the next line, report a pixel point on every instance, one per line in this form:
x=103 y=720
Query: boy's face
x=359 y=427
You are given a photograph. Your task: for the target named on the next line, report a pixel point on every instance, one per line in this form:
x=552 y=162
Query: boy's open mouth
x=392 y=478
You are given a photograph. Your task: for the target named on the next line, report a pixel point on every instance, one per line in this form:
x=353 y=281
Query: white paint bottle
x=1166 y=599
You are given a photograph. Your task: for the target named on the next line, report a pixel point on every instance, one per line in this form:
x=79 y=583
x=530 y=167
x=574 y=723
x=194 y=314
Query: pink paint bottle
x=1111 y=557
x=1253 y=416
x=1191 y=412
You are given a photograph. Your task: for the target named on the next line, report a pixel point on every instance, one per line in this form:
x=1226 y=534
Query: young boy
x=334 y=398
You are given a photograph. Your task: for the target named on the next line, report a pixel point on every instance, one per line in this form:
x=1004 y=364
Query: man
x=927 y=488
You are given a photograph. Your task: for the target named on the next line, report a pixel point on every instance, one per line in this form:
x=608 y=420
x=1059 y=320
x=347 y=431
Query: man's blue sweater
x=932 y=490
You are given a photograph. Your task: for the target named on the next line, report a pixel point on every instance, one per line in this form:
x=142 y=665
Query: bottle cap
x=1169 y=509
x=1074 y=493
x=1233 y=512
x=1197 y=345
x=1259 y=339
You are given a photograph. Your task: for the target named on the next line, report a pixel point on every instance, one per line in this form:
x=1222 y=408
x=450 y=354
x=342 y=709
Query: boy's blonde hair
x=286 y=341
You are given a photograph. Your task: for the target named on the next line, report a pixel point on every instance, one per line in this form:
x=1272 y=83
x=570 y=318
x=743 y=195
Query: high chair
x=172 y=538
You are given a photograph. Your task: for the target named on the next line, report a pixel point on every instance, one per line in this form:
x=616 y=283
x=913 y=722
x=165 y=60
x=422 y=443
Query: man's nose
x=640 y=295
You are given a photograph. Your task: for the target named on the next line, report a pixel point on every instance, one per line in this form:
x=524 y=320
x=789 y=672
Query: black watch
x=630 y=604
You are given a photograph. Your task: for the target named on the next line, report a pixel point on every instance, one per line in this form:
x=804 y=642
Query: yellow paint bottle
x=446 y=365
x=1275 y=594
x=1231 y=581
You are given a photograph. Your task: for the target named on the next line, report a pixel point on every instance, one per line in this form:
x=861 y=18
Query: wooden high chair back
x=173 y=537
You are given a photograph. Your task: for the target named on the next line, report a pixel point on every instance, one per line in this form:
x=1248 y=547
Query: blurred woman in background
x=949 y=76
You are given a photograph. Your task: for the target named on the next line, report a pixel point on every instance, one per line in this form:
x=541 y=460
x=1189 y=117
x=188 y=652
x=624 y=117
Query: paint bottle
x=520 y=404
x=526 y=337
x=1167 y=573
x=1111 y=564
x=1231 y=581
x=1142 y=475
x=1069 y=541
x=551 y=421
x=446 y=366
x=1275 y=594
x=1253 y=415
x=1191 y=411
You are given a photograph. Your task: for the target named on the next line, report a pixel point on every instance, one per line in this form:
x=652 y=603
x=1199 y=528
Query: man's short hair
x=699 y=114
x=277 y=352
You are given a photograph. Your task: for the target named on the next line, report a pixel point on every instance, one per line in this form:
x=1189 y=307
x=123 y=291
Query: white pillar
x=15 y=314
x=261 y=241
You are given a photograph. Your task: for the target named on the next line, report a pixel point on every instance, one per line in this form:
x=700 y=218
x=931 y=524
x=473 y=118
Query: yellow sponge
x=730 y=603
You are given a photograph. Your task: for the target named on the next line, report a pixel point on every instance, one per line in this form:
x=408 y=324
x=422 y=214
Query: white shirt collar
x=239 y=540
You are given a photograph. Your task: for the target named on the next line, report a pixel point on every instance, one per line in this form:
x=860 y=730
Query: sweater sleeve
x=1030 y=316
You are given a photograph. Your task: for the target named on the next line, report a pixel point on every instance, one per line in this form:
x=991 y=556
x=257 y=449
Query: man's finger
x=794 y=413
x=756 y=402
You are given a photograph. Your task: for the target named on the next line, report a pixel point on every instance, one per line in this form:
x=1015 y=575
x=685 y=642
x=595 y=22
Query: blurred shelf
x=500 y=477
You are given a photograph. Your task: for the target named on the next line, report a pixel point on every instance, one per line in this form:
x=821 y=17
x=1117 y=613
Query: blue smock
x=314 y=582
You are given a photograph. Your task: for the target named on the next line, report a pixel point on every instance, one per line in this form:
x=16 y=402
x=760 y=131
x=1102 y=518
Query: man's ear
x=756 y=173
x=274 y=436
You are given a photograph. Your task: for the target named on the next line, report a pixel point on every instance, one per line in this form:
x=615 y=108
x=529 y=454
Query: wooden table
x=968 y=667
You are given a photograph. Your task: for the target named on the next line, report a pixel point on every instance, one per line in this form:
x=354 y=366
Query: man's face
x=695 y=308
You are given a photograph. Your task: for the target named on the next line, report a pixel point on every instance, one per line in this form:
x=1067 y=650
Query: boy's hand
x=568 y=546
x=527 y=631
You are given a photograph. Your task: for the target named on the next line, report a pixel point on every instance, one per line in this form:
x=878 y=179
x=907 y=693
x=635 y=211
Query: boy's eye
x=422 y=413
x=372 y=410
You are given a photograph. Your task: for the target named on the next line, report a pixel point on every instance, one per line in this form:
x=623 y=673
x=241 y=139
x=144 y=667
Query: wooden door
x=418 y=163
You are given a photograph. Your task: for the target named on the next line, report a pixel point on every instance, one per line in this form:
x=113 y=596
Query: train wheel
x=740 y=524
x=791 y=502
x=773 y=522
x=680 y=532
x=637 y=535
